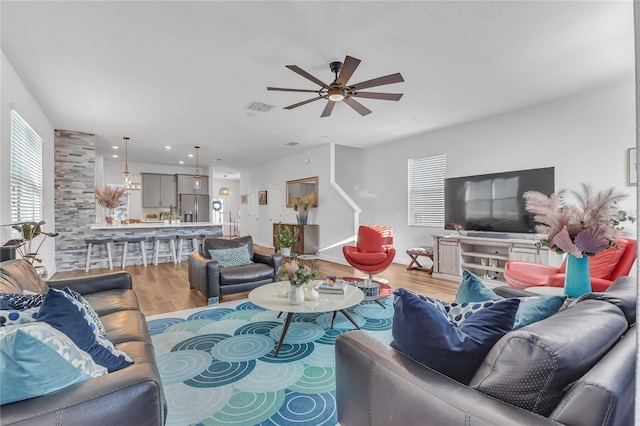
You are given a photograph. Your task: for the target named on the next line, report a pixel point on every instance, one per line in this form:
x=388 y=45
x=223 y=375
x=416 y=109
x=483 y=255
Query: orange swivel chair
x=374 y=251
x=604 y=268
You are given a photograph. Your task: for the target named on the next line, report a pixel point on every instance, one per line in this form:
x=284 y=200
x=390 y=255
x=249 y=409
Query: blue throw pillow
x=532 y=309
x=88 y=308
x=238 y=256
x=14 y=317
x=38 y=359
x=423 y=331
x=20 y=301
x=67 y=315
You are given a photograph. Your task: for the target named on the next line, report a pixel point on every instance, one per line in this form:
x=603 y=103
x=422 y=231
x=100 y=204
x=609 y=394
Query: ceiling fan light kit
x=338 y=91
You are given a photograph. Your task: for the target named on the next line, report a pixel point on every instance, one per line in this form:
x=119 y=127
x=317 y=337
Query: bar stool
x=170 y=251
x=97 y=242
x=192 y=239
x=133 y=240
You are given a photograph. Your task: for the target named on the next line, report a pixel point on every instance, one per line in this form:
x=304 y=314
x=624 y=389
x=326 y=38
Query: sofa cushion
x=37 y=359
x=106 y=302
x=531 y=309
x=126 y=326
x=423 y=331
x=246 y=274
x=224 y=243
x=531 y=367
x=16 y=276
x=623 y=293
x=238 y=256
x=66 y=314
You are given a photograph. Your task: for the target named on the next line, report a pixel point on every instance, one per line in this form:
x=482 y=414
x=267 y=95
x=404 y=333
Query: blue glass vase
x=303 y=215
x=577 y=280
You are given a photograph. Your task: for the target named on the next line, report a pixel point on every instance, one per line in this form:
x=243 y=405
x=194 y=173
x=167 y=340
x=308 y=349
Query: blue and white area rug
x=217 y=364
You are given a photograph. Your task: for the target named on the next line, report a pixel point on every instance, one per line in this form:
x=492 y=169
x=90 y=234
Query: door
x=275 y=210
x=252 y=213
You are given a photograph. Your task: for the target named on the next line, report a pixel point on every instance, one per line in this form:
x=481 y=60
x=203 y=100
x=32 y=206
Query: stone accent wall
x=75 y=206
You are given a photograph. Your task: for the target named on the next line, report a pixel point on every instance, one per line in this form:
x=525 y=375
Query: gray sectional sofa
x=130 y=396
x=576 y=367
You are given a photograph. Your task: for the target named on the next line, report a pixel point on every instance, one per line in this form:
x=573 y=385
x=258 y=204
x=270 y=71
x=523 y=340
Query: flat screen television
x=494 y=202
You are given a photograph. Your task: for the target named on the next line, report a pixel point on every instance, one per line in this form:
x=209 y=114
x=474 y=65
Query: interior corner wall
x=15 y=95
x=586 y=138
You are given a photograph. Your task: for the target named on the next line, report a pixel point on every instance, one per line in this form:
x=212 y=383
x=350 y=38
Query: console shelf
x=486 y=257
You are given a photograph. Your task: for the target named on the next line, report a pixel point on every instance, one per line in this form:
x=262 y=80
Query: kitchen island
x=145 y=230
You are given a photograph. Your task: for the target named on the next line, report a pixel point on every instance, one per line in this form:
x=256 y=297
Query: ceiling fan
x=339 y=90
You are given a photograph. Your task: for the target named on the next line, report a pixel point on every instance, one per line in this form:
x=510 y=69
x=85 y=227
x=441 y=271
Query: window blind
x=26 y=171
x=426 y=190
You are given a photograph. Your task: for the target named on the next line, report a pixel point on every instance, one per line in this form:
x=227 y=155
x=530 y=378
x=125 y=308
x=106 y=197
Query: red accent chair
x=374 y=251
x=604 y=268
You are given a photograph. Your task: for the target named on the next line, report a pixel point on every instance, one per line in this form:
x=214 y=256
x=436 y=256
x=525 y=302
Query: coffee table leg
x=380 y=303
x=284 y=332
x=333 y=318
x=346 y=314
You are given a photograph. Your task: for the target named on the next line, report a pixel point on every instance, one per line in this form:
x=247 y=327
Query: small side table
x=416 y=252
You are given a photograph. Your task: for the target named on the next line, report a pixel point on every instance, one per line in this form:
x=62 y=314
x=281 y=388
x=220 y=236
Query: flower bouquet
x=302 y=205
x=110 y=198
x=580 y=229
x=298 y=275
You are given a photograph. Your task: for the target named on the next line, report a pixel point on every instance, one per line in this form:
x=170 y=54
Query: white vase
x=286 y=251
x=296 y=295
x=311 y=293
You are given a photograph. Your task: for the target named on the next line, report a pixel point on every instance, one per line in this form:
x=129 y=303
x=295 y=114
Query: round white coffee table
x=266 y=296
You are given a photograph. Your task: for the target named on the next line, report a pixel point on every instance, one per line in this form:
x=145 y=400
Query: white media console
x=484 y=256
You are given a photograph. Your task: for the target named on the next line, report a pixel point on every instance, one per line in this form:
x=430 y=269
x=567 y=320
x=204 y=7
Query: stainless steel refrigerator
x=197 y=205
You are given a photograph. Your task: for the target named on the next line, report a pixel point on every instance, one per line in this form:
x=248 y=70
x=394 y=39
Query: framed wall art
x=262 y=197
x=244 y=199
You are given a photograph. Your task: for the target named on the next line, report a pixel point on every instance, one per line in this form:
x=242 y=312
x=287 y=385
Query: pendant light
x=125 y=175
x=196 y=176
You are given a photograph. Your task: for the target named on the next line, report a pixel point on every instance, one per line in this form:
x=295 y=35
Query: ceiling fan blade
x=380 y=81
x=348 y=67
x=327 y=109
x=361 y=109
x=304 y=102
x=377 y=95
x=281 y=89
x=306 y=75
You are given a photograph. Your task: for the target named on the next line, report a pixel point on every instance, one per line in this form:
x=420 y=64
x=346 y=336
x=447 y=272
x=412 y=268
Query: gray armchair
x=207 y=276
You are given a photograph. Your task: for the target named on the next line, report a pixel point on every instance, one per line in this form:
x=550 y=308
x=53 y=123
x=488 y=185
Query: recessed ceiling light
x=181 y=162
x=189 y=155
x=115 y=147
x=167 y=147
x=114 y=155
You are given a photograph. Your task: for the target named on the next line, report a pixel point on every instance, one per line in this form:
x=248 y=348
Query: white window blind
x=26 y=171
x=426 y=190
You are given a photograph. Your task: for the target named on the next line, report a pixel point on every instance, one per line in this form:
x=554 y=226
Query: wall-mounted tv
x=494 y=202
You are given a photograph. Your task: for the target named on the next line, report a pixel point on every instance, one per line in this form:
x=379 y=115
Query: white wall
x=14 y=95
x=585 y=137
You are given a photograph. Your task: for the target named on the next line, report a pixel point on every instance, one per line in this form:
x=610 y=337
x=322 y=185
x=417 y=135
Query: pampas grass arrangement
x=110 y=196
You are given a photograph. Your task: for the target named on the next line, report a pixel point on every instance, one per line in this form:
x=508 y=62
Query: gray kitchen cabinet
x=185 y=185
x=159 y=190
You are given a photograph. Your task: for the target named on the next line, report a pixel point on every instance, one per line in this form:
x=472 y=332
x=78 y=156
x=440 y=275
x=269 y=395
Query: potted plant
x=286 y=237
x=25 y=245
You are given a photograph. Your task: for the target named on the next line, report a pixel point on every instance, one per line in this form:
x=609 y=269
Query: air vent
x=259 y=106
x=292 y=143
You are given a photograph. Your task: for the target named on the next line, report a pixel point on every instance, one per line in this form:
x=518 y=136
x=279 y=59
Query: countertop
x=152 y=225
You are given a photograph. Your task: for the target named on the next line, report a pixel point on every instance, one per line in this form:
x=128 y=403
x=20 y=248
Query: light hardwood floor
x=165 y=287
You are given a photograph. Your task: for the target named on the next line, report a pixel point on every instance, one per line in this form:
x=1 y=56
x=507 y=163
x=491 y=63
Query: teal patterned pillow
x=238 y=256
x=37 y=359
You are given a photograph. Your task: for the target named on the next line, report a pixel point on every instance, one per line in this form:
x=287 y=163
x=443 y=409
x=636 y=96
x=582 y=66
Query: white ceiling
x=182 y=73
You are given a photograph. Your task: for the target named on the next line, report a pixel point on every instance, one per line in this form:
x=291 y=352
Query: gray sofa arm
x=96 y=283
x=204 y=275
x=377 y=385
x=117 y=396
x=274 y=260
x=506 y=291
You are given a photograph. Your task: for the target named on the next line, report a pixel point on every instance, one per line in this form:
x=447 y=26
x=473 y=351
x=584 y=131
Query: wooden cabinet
x=485 y=257
x=307 y=238
x=185 y=185
x=159 y=190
